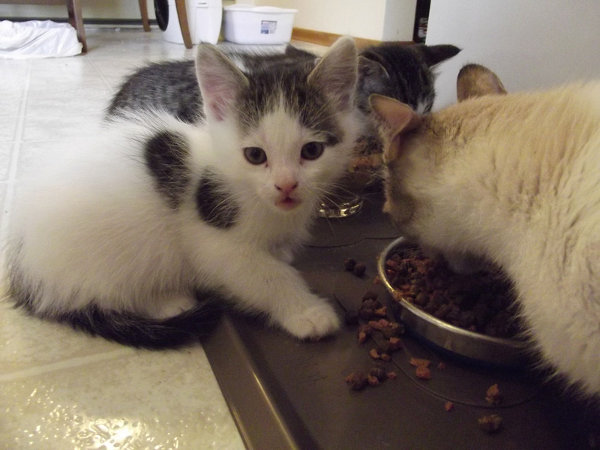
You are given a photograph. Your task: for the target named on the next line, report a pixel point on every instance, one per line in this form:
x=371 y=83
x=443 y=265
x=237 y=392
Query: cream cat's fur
x=515 y=179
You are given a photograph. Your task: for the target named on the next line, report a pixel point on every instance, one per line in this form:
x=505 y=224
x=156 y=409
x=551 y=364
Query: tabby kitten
x=398 y=70
x=138 y=234
x=512 y=179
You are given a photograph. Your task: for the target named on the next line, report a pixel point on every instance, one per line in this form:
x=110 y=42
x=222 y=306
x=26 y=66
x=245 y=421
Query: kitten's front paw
x=313 y=322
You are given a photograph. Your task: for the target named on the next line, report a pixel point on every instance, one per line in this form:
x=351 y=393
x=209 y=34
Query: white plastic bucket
x=247 y=24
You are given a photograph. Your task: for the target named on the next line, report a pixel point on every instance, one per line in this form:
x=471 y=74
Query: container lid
x=259 y=9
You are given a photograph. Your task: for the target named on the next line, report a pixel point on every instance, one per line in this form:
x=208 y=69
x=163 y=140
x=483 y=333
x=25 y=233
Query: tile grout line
x=11 y=175
x=18 y=140
x=14 y=159
x=102 y=76
x=65 y=364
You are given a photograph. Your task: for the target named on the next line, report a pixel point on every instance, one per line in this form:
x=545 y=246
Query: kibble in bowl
x=473 y=316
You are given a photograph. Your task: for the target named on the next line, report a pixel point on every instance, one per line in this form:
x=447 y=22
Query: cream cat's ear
x=475 y=80
x=395 y=119
x=336 y=74
x=220 y=81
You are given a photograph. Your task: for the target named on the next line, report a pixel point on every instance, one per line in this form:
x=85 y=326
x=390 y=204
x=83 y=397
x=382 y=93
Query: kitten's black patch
x=166 y=154
x=213 y=203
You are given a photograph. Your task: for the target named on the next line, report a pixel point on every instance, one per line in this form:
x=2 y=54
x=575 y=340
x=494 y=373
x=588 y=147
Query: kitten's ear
x=475 y=80
x=395 y=119
x=367 y=68
x=336 y=73
x=220 y=81
x=435 y=54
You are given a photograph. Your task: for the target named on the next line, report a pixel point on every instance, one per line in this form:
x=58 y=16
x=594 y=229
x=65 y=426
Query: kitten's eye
x=312 y=150
x=255 y=155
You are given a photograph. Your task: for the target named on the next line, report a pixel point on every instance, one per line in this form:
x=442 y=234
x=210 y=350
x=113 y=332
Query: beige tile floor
x=60 y=389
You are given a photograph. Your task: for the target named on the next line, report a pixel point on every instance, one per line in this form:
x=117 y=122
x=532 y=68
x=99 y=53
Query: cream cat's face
x=402 y=159
x=415 y=150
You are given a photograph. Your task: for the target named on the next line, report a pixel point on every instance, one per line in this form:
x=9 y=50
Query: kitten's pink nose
x=286 y=188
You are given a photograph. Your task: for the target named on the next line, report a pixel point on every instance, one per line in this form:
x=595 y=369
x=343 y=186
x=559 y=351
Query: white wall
x=399 y=20
x=369 y=19
x=96 y=9
x=529 y=43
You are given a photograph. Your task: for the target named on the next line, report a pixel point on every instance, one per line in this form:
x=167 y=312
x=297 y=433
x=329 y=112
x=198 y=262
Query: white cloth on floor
x=37 y=39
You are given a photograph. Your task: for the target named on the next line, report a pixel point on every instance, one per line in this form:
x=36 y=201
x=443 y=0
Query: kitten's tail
x=129 y=329
x=126 y=327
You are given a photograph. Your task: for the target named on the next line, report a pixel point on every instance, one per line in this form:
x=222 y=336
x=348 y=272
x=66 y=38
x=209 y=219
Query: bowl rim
x=514 y=344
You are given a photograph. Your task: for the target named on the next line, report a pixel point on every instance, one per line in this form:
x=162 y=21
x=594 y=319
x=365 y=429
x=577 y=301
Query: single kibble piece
x=373 y=380
x=491 y=423
x=373 y=353
x=359 y=269
x=379 y=373
x=493 y=395
x=419 y=362
x=423 y=373
x=349 y=264
x=395 y=344
x=357 y=381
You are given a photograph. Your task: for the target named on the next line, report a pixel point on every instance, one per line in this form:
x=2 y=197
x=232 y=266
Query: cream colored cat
x=514 y=179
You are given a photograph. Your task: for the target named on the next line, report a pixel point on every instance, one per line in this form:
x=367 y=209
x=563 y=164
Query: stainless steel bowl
x=340 y=205
x=469 y=344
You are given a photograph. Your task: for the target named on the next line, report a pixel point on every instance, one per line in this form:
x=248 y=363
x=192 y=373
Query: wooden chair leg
x=144 y=12
x=183 y=22
x=76 y=21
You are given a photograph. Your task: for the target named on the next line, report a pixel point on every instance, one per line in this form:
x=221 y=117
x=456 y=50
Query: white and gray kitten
x=513 y=179
x=136 y=233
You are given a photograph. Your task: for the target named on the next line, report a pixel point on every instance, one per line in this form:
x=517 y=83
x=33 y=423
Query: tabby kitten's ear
x=370 y=69
x=395 y=119
x=220 y=81
x=336 y=73
x=435 y=54
x=475 y=80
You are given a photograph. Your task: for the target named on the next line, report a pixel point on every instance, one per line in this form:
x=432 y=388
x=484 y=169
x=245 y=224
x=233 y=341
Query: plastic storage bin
x=247 y=24
x=204 y=21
